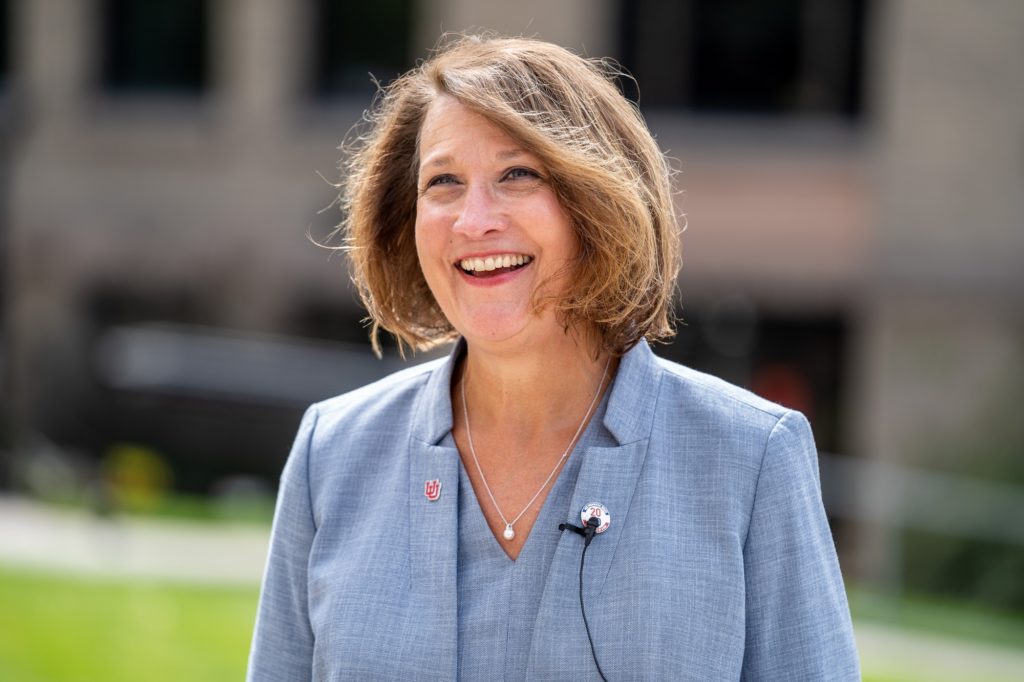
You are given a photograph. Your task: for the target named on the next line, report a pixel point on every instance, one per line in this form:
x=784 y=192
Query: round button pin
x=598 y=511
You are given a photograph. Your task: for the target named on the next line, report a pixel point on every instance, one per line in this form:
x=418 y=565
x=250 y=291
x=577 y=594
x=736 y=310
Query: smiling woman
x=589 y=148
x=484 y=201
x=507 y=196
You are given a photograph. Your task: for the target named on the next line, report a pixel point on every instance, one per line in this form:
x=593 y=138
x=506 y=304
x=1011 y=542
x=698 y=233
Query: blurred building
x=853 y=177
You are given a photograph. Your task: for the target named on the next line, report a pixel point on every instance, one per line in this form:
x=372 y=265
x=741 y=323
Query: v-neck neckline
x=479 y=521
x=557 y=491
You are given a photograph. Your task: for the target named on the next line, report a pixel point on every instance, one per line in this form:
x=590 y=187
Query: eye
x=437 y=180
x=522 y=173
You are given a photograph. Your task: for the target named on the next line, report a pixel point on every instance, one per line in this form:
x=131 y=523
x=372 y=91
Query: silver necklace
x=509 y=533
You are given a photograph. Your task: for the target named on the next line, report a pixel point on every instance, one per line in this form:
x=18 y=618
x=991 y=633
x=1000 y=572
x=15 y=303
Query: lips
x=490 y=266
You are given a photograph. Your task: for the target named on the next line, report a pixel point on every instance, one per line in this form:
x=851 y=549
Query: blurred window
x=155 y=45
x=745 y=56
x=358 y=42
x=794 y=360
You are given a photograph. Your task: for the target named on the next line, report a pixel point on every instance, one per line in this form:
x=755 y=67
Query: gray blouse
x=498 y=598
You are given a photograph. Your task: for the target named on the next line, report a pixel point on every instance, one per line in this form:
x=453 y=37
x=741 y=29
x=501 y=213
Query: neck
x=529 y=395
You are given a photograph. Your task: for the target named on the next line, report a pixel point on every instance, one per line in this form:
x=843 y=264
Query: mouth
x=492 y=266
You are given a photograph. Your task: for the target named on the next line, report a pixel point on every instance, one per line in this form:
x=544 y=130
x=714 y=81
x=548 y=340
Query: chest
x=664 y=601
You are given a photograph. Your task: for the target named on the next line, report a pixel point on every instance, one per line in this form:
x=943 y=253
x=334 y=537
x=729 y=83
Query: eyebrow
x=447 y=159
x=512 y=153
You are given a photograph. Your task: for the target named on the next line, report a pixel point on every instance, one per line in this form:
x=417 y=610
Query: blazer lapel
x=433 y=524
x=609 y=475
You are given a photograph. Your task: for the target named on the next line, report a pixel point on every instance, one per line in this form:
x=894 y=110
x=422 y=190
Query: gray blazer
x=718 y=564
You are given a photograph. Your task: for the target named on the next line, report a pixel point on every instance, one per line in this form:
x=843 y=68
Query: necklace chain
x=509 y=532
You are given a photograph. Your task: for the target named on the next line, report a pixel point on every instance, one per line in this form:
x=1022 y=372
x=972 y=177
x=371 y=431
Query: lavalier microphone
x=596 y=523
x=588 y=531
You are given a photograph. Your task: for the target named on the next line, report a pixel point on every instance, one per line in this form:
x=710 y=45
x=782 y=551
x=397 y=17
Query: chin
x=495 y=334
x=532 y=329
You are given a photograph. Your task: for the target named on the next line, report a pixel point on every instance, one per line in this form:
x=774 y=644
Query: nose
x=479 y=212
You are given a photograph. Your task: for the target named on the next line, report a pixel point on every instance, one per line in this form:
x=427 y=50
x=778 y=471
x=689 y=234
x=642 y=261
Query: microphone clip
x=587 y=531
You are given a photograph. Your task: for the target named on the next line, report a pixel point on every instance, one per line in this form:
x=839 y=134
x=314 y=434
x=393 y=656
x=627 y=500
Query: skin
x=528 y=380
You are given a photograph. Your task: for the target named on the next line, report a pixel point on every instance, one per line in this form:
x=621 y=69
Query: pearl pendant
x=508 y=533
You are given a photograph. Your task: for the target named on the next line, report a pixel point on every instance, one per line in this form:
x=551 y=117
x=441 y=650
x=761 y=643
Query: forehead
x=451 y=128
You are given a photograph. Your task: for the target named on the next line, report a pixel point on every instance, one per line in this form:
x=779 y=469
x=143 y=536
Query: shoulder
x=713 y=396
x=385 y=399
x=704 y=405
x=730 y=446
x=722 y=426
x=669 y=402
x=358 y=442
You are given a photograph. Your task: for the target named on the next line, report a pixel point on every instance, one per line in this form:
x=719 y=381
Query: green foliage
x=985 y=572
x=949 y=617
x=989 y=445
x=58 y=628
x=248 y=509
x=136 y=476
x=252 y=509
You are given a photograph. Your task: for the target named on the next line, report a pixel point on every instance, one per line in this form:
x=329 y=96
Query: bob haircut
x=602 y=163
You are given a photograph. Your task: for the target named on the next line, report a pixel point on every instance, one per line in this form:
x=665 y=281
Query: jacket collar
x=433 y=419
x=630 y=413
x=630 y=405
x=608 y=475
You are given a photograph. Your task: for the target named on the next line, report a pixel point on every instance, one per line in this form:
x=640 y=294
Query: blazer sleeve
x=282 y=645
x=797 y=618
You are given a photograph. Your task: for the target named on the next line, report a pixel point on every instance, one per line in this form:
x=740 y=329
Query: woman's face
x=489 y=229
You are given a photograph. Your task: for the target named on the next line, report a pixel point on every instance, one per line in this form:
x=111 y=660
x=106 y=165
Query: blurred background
x=852 y=174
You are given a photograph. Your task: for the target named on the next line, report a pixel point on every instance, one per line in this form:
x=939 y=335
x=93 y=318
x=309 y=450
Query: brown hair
x=602 y=163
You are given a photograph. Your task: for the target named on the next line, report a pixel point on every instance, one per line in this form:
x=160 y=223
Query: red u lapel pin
x=432 y=489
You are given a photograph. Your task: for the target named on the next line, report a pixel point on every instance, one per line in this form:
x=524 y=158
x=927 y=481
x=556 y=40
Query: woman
x=507 y=196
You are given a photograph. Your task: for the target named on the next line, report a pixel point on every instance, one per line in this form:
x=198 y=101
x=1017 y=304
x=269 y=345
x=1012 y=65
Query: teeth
x=493 y=262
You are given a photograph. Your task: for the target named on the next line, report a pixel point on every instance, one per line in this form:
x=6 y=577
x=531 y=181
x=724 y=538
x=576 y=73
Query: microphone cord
x=588 y=534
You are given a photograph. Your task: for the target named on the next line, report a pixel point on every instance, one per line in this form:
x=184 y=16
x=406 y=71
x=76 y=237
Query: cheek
x=563 y=233
x=427 y=225
x=422 y=235
x=567 y=241
x=430 y=245
x=418 y=238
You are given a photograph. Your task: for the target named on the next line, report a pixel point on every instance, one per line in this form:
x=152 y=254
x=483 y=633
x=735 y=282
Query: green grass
x=955 y=621
x=257 y=510
x=940 y=616
x=56 y=627
x=180 y=506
